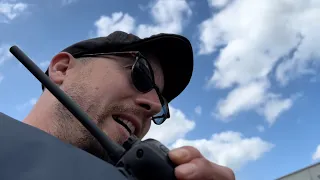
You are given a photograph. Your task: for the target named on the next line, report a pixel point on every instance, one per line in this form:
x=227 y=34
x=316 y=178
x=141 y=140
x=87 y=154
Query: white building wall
x=309 y=173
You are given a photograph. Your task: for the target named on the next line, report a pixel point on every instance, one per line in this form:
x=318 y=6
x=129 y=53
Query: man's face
x=104 y=89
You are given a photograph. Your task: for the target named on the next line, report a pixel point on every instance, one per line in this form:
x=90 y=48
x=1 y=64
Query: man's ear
x=59 y=66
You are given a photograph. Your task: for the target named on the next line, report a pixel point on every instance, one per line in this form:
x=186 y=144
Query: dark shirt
x=27 y=153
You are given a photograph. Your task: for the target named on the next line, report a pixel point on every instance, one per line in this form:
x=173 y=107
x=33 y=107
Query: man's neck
x=42 y=116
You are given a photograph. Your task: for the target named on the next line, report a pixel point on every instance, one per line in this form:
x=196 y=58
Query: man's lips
x=123 y=124
x=134 y=122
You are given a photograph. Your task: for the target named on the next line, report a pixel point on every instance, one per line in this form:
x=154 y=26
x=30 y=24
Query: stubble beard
x=70 y=130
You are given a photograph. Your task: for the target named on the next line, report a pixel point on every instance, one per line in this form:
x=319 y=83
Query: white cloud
x=118 y=21
x=68 y=2
x=253 y=96
x=275 y=106
x=4 y=53
x=218 y=3
x=263 y=32
x=31 y=102
x=172 y=129
x=4 y=56
x=259 y=39
x=168 y=16
x=243 y=98
x=44 y=64
x=229 y=148
x=260 y=128
x=198 y=110
x=316 y=154
x=10 y=10
x=1 y=78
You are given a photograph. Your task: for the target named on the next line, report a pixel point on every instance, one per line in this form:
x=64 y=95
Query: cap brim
x=176 y=58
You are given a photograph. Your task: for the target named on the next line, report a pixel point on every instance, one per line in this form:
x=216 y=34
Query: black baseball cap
x=173 y=51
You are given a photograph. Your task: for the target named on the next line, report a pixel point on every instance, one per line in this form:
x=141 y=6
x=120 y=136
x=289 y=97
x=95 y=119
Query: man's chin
x=97 y=151
x=94 y=148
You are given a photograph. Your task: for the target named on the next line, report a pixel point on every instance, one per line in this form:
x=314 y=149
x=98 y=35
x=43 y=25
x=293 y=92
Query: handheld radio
x=136 y=160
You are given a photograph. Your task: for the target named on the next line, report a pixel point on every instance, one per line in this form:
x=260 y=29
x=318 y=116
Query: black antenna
x=114 y=150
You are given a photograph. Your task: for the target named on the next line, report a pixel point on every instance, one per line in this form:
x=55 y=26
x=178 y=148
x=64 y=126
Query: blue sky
x=252 y=103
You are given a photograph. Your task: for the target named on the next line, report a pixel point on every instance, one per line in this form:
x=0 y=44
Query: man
x=124 y=84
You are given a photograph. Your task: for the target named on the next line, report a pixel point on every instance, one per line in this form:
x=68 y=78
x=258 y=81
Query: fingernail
x=180 y=153
x=187 y=169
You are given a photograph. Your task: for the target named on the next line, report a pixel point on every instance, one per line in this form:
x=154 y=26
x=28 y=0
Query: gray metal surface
x=27 y=153
x=311 y=172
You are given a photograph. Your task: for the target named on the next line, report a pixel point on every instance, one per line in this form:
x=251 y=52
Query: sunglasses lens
x=143 y=80
x=160 y=117
x=163 y=114
x=158 y=120
x=142 y=76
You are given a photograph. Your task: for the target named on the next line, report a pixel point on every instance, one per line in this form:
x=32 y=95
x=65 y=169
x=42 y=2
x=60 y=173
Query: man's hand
x=192 y=165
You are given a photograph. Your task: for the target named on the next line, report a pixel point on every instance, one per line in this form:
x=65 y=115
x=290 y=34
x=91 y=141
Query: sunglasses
x=143 y=79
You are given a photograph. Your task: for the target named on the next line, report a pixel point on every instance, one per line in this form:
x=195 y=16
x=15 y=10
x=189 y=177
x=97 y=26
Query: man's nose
x=150 y=102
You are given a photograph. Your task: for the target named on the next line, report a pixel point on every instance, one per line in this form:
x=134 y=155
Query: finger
x=196 y=169
x=201 y=168
x=222 y=172
x=184 y=154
